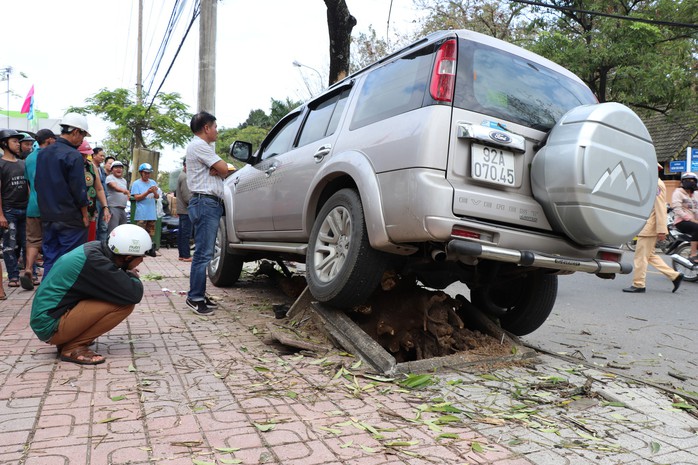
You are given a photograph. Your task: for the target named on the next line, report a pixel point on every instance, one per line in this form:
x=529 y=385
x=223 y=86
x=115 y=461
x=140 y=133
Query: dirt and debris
x=406 y=319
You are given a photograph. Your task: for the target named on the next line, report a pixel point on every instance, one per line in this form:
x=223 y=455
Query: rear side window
x=394 y=88
x=509 y=87
x=323 y=118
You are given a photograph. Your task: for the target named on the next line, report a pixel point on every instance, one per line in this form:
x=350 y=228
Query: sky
x=69 y=50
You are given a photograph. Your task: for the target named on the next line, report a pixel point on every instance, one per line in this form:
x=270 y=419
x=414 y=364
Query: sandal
x=693 y=259
x=26 y=280
x=82 y=356
x=13 y=283
x=3 y=296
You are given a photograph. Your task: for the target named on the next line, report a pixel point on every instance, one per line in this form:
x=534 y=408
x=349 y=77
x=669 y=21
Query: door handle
x=321 y=152
x=269 y=171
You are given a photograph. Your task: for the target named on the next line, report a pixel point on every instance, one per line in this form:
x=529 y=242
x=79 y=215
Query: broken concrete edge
x=355 y=340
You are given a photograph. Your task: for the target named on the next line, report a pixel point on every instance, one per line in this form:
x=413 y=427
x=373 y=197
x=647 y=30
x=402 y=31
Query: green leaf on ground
x=477 y=447
x=265 y=427
x=417 y=381
x=117 y=398
x=227 y=450
x=654 y=447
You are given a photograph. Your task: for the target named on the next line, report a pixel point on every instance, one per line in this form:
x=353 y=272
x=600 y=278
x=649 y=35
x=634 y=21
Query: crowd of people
x=63 y=205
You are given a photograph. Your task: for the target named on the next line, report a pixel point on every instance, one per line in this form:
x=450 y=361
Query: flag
x=28 y=106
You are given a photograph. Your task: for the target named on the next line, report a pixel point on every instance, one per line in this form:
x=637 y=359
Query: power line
x=197 y=10
x=609 y=15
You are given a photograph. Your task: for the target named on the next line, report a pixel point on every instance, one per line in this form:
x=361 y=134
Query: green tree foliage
x=648 y=66
x=501 y=19
x=165 y=122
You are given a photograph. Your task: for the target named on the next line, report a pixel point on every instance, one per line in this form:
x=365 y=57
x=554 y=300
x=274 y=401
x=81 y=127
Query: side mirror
x=241 y=150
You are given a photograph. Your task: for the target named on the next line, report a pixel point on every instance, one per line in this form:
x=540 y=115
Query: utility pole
x=139 y=65
x=207 y=56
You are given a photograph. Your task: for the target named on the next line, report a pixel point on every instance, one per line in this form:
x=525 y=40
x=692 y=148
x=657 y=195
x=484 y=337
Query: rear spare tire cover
x=596 y=177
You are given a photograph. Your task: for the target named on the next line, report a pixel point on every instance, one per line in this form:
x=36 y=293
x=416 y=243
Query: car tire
x=342 y=268
x=521 y=305
x=224 y=268
x=688 y=274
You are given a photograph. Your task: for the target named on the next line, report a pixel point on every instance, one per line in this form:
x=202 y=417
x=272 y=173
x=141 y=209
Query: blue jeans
x=184 y=236
x=58 y=240
x=14 y=239
x=205 y=214
x=101 y=225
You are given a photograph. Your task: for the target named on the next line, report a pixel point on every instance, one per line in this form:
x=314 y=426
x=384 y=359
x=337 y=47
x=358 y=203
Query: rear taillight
x=444 y=75
x=610 y=256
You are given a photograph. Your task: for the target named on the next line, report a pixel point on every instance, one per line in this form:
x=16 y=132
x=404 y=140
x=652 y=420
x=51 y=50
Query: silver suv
x=459 y=158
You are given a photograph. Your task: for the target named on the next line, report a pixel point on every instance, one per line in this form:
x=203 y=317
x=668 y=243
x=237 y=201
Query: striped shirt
x=200 y=158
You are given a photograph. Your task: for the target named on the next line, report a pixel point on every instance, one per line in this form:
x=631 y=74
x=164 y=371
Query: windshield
x=505 y=86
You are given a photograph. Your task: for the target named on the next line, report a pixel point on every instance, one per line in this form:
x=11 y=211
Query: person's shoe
x=151 y=253
x=677 y=282
x=693 y=259
x=634 y=289
x=199 y=307
x=181 y=259
x=210 y=303
x=26 y=280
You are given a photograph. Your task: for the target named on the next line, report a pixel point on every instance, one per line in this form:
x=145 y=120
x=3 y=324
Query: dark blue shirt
x=60 y=184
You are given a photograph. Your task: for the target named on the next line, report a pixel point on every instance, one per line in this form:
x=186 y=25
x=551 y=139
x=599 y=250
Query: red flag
x=26 y=107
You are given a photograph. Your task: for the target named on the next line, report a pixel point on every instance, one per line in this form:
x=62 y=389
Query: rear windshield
x=508 y=87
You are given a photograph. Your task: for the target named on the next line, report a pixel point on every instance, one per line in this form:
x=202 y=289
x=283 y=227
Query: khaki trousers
x=85 y=322
x=644 y=254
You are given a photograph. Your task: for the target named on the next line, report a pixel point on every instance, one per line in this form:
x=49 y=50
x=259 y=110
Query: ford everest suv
x=459 y=158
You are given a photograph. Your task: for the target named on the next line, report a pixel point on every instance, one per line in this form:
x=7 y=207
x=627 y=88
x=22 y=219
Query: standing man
x=93 y=289
x=205 y=174
x=117 y=196
x=97 y=160
x=655 y=228
x=183 y=196
x=28 y=279
x=62 y=192
x=14 y=196
x=145 y=192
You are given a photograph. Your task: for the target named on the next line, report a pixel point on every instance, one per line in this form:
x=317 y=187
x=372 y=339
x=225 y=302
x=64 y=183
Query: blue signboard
x=677 y=166
x=694 y=160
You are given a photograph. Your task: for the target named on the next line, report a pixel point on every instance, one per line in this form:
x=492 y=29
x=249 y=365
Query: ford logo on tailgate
x=500 y=137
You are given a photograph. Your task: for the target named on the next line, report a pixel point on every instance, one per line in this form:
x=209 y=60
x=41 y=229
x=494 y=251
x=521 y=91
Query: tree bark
x=339 y=24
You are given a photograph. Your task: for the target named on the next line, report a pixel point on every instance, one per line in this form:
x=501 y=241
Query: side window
x=282 y=140
x=394 y=88
x=323 y=118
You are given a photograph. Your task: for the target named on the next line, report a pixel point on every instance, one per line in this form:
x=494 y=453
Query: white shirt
x=200 y=158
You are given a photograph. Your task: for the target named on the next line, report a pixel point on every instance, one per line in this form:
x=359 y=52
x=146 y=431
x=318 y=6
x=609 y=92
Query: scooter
x=679 y=249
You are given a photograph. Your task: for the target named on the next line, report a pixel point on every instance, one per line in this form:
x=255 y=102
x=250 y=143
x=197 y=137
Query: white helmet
x=75 y=120
x=129 y=239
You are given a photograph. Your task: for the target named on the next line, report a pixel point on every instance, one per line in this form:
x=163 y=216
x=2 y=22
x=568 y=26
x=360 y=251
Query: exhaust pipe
x=438 y=255
x=683 y=261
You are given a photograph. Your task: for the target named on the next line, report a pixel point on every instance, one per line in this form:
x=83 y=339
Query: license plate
x=492 y=165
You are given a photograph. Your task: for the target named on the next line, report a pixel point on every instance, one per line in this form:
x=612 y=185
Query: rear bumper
x=460 y=249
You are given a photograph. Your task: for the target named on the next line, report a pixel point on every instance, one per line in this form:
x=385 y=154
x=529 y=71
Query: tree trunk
x=339 y=24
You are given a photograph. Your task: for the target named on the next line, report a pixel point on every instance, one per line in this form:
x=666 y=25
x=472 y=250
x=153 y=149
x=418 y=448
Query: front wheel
x=224 y=268
x=342 y=268
x=521 y=304
x=689 y=274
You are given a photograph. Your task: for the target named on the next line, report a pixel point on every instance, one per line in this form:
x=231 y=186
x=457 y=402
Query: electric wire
x=195 y=15
x=608 y=15
x=174 y=20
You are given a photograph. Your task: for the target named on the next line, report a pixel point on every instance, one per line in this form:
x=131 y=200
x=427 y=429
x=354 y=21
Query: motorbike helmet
x=689 y=181
x=26 y=137
x=145 y=167
x=9 y=133
x=129 y=239
x=75 y=120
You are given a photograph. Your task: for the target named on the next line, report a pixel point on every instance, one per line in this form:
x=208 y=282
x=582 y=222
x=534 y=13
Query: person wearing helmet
x=92 y=289
x=205 y=174
x=29 y=279
x=95 y=192
x=684 y=201
x=61 y=191
x=14 y=197
x=26 y=145
x=145 y=191
x=117 y=196
x=655 y=228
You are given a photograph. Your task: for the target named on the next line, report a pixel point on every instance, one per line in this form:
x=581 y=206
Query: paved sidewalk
x=182 y=389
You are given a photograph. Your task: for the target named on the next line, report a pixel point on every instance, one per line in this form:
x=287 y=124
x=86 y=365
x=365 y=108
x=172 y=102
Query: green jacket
x=86 y=272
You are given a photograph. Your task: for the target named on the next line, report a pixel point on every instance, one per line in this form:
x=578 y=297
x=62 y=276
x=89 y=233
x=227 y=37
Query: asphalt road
x=651 y=336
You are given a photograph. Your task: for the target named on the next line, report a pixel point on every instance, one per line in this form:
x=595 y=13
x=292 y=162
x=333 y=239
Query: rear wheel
x=522 y=304
x=342 y=268
x=224 y=268
x=689 y=274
